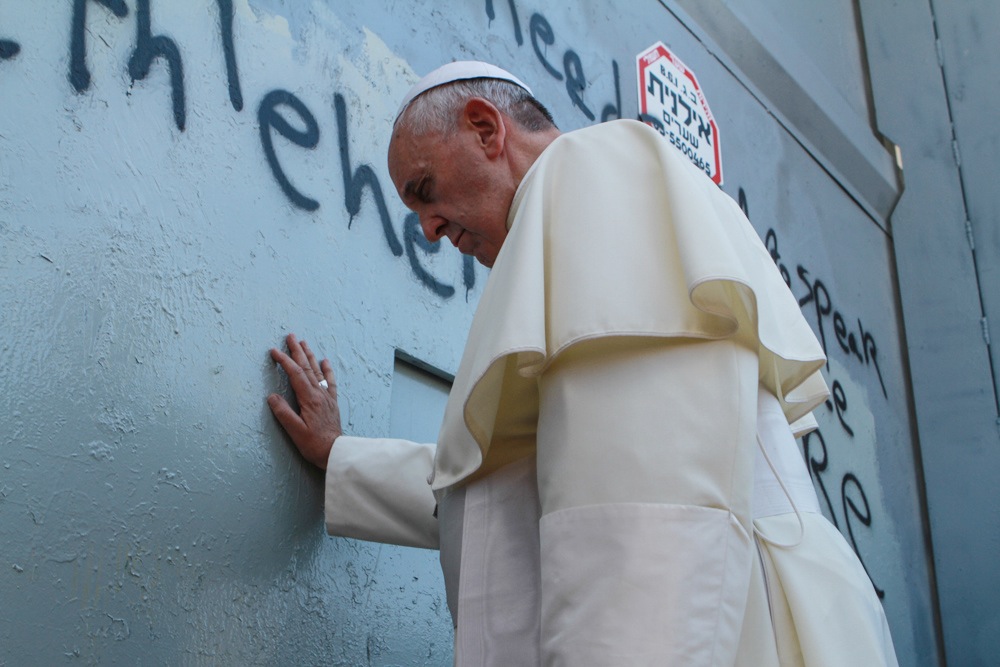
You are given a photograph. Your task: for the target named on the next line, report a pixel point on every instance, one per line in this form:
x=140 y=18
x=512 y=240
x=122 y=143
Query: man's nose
x=433 y=227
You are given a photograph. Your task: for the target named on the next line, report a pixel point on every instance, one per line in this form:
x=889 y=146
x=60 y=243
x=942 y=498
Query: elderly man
x=616 y=481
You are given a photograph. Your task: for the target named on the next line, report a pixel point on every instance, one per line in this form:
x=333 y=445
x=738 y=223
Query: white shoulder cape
x=688 y=264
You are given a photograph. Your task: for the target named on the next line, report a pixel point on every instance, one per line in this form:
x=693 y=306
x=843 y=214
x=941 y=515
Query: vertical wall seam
x=969 y=230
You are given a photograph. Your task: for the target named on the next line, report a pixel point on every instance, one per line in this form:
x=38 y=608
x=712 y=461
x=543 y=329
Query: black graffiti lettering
x=852 y=344
x=850 y=481
x=840 y=329
x=850 y=507
x=539 y=27
x=229 y=51
x=356 y=180
x=414 y=238
x=655 y=122
x=804 y=277
x=819 y=295
x=770 y=243
x=149 y=48
x=823 y=308
x=867 y=351
x=543 y=36
x=782 y=269
x=491 y=15
x=79 y=75
x=269 y=119
x=576 y=82
x=850 y=484
x=817 y=467
x=871 y=357
x=468 y=274
x=840 y=405
x=8 y=49
x=770 y=238
x=281 y=112
x=614 y=110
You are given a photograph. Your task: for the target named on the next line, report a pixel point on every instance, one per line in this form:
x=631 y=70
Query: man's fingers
x=317 y=423
x=312 y=361
x=327 y=370
x=297 y=353
x=289 y=365
x=286 y=416
x=297 y=377
x=280 y=357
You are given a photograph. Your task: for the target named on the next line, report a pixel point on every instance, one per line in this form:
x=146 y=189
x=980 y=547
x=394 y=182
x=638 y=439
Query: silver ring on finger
x=323 y=383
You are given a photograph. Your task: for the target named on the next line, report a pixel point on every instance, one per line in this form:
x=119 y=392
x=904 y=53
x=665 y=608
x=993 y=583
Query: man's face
x=455 y=188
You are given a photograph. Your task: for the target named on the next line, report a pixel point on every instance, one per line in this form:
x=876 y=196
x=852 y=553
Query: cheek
x=497 y=233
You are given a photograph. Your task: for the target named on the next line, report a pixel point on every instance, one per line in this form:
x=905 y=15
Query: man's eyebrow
x=408 y=189
x=413 y=189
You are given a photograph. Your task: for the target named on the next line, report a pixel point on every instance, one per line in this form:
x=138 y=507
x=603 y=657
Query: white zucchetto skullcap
x=458 y=71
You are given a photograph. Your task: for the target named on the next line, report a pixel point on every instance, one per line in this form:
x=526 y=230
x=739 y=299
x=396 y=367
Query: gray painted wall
x=159 y=233
x=934 y=75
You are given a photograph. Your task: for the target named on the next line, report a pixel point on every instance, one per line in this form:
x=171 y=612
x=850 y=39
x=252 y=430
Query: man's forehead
x=405 y=152
x=408 y=164
x=412 y=167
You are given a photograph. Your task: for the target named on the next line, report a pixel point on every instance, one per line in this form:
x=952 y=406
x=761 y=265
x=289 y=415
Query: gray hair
x=438 y=109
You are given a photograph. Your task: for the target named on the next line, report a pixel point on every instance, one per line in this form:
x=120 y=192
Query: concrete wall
x=934 y=77
x=181 y=183
x=150 y=509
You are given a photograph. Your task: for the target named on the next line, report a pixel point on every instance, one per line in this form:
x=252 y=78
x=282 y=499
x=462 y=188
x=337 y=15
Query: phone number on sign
x=685 y=148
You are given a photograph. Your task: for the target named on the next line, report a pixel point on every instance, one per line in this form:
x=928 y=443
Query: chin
x=486 y=259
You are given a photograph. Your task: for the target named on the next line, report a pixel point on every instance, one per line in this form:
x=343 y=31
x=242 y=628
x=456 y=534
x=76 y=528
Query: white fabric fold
x=499 y=589
x=782 y=477
x=825 y=610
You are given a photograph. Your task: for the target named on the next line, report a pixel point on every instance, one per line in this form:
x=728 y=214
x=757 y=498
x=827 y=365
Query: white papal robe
x=633 y=351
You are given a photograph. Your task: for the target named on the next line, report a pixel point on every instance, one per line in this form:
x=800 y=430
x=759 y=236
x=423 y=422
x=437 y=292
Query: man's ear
x=488 y=123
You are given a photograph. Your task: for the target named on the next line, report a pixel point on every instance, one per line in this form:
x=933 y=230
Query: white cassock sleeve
x=376 y=489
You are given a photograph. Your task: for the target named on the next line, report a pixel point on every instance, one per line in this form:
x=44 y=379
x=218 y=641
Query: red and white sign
x=671 y=101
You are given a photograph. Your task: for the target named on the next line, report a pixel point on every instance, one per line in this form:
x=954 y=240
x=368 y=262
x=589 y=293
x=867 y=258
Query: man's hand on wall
x=317 y=423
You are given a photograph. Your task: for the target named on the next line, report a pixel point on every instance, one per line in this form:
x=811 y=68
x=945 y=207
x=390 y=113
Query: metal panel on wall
x=971 y=73
x=934 y=75
x=181 y=183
